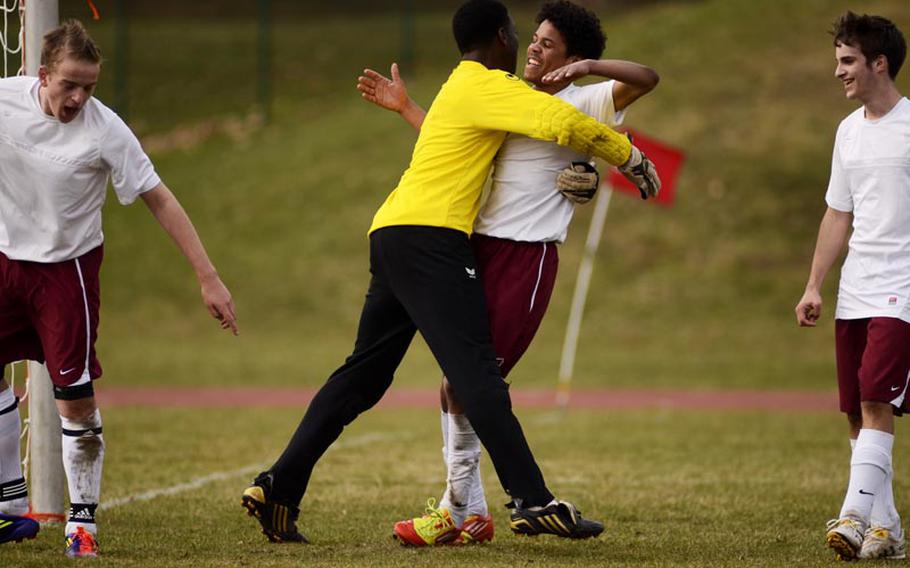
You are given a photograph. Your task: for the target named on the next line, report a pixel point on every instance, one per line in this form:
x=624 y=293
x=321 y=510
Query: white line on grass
x=256 y=468
x=223 y=475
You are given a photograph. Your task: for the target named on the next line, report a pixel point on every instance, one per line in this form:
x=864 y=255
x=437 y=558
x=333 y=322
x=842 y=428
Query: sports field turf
x=698 y=296
x=673 y=487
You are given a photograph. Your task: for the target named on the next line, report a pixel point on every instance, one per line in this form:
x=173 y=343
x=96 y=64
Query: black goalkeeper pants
x=422 y=278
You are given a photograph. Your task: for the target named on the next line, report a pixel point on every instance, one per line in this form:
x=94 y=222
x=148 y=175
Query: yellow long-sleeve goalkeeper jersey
x=461 y=134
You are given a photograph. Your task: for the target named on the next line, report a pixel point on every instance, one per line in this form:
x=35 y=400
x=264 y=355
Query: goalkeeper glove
x=579 y=182
x=641 y=172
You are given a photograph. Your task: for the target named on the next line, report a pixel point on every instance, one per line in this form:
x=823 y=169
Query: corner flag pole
x=45 y=461
x=668 y=161
x=580 y=297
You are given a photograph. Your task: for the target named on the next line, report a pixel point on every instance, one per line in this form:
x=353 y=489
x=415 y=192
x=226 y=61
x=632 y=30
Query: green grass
x=681 y=488
x=698 y=296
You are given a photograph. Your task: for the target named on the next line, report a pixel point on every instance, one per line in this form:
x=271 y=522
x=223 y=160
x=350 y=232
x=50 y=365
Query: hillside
x=700 y=295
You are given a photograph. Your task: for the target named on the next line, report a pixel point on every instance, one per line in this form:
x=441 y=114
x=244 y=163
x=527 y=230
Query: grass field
x=695 y=297
x=674 y=488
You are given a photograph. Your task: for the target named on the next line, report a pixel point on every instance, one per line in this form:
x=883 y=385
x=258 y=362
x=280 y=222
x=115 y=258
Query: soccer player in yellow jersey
x=424 y=277
x=519 y=228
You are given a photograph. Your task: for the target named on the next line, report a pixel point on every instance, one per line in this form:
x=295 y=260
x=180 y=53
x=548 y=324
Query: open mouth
x=533 y=62
x=69 y=112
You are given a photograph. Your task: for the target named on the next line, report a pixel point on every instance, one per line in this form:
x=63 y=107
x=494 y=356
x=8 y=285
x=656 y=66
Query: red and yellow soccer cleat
x=81 y=544
x=436 y=527
x=476 y=529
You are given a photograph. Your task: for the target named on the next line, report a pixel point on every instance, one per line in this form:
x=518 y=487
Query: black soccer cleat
x=560 y=519
x=278 y=520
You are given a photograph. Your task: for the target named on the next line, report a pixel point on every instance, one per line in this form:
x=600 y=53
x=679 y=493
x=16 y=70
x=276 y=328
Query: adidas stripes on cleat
x=278 y=520
x=561 y=519
x=81 y=544
x=14 y=528
x=476 y=529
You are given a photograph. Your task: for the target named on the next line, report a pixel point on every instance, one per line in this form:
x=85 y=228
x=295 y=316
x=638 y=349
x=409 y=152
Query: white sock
x=444 y=427
x=477 y=503
x=464 y=455
x=13 y=491
x=884 y=512
x=83 y=456
x=869 y=469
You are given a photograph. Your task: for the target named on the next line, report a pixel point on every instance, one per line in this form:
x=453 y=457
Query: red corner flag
x=667 y=159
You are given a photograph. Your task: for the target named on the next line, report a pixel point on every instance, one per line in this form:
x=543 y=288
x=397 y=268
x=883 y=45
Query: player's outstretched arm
x=171 y=216
x=832 y=234
x=633 y=80
x=390 y=94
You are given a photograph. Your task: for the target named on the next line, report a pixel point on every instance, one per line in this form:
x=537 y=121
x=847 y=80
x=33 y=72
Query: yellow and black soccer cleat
x=560 y=519
x=278 y=520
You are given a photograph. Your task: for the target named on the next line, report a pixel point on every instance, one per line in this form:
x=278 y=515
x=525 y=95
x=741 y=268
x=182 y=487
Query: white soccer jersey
x=524 y=204
x=870 y=177
x=53 y=176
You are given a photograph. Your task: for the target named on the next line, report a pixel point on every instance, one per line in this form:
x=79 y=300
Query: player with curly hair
x=424 y=277
x=517 y=232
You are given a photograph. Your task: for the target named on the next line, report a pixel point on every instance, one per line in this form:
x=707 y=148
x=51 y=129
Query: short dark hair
x=874 y=36
x=71 y=38
x=580 y=28
x=477 y=22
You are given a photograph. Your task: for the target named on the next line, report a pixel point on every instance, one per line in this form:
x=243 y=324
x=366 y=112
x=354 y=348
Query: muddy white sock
x=464 y=455
x=83 y=456
x=444 y=427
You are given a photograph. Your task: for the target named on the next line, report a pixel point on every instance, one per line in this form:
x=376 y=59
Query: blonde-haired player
x=59 y=147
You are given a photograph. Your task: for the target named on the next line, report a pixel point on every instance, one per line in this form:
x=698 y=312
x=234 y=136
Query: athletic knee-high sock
x=13 y=491
x=464 y=454
x=869 y=469
x=477 y=503
x=444 y=428
x=83 y=456
x=884 y=512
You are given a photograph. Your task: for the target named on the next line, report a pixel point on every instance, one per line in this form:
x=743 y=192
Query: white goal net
x=11 y=37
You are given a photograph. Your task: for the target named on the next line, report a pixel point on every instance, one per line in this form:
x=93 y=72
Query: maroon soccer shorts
x=49 y=313
x=873 y=362
x=518 y=279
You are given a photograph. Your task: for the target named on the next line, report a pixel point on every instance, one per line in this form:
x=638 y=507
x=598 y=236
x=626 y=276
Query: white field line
x=198 y=482
x=223 y=475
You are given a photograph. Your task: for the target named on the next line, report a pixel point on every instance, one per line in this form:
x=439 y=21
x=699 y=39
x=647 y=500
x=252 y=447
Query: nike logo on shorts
x=70 y=370
x=894 y=389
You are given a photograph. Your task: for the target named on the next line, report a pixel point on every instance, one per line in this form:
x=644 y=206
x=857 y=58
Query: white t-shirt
x=53 y=176
x=870 y=177
x=524 y=204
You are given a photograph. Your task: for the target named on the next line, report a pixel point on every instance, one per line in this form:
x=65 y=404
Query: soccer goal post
x=43 y=463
